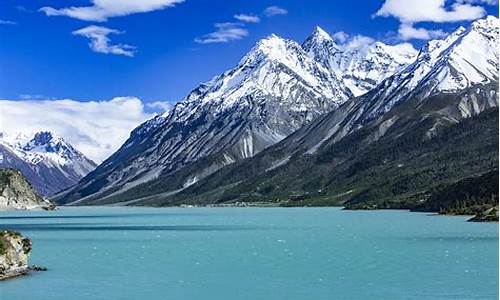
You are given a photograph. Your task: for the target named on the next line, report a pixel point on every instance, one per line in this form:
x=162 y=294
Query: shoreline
x=15 y=273
x=261 y=204
x=24 y=271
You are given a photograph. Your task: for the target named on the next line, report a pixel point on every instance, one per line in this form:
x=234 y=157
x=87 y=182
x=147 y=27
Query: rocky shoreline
x=21 y=272
x=15 y=250
x=489 y=215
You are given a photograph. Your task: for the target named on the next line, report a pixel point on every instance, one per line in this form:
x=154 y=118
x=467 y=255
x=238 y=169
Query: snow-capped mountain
x=466 y=58
x=49 y=162
x=361 y=65
x=275 y=89
x=438 y=115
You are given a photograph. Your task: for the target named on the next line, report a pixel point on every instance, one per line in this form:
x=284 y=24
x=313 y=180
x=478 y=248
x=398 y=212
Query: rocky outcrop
x=14 y=253
x=16 y=193
x=489 y=215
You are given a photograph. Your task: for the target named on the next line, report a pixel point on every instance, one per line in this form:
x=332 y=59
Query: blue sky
x=41 y=58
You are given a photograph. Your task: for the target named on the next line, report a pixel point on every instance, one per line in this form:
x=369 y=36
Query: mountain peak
x=50 y=163
x=489 y=21
x=272 y=47
x=42 y=138
x=271 y=41
x=321 y=34
x=319 y=39
x=488 y=26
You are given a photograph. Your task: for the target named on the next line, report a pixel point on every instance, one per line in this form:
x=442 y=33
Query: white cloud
x=275 y=11
x=356 y=41
x=99 y=41
x=247 y=18
x=101 y=10
x=359 y=41
x=408 y=32
x=225 y=32
x=412 y=11
x=340 y=36
x=7 y=22
x=488 y=2
x=97 y=128
x=159 y=106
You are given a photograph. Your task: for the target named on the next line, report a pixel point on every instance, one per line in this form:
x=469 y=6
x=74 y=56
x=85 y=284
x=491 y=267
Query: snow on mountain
x=49 y=162
x=451 y=80
x=362 y=63
x=276 y=88
x=467 y=58
x=272 y=68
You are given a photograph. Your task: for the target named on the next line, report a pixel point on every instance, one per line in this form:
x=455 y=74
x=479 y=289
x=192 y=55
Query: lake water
x=253 y=253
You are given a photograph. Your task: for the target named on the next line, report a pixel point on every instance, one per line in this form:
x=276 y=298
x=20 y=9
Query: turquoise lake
x=253 y=253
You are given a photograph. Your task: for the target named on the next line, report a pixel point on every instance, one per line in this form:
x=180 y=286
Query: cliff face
x=17 y=193
x=14 y=253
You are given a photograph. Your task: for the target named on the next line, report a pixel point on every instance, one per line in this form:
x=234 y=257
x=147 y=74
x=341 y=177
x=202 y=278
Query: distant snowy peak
x=46 y=142
x=360 y=63
x=49 y=162
x=466 y=57
x=44 y=146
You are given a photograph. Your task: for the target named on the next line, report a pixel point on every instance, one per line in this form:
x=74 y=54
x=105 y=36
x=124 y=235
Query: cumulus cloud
x=159 y=106
x=225 y=32
x=99 y=41
x=101 y=10
x=7 y=22
x=358 y=41
x=408 y=32
x=410 y=12
x=247 y=18
x=97 y=128
x=352 y=41
x=274 y=10
x=340 y=36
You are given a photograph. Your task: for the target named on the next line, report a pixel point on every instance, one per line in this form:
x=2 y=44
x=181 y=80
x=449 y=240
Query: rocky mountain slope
x=278 y=87
x=17 y=193
x=434 y=122
x=47 y=161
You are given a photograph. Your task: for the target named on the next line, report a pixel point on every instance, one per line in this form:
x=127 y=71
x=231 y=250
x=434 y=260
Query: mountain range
x=48 y=162
x=368 y=126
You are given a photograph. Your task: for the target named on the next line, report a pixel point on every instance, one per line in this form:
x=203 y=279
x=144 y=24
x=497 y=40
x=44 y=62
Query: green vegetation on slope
x=469 y=196
x=390 y=172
